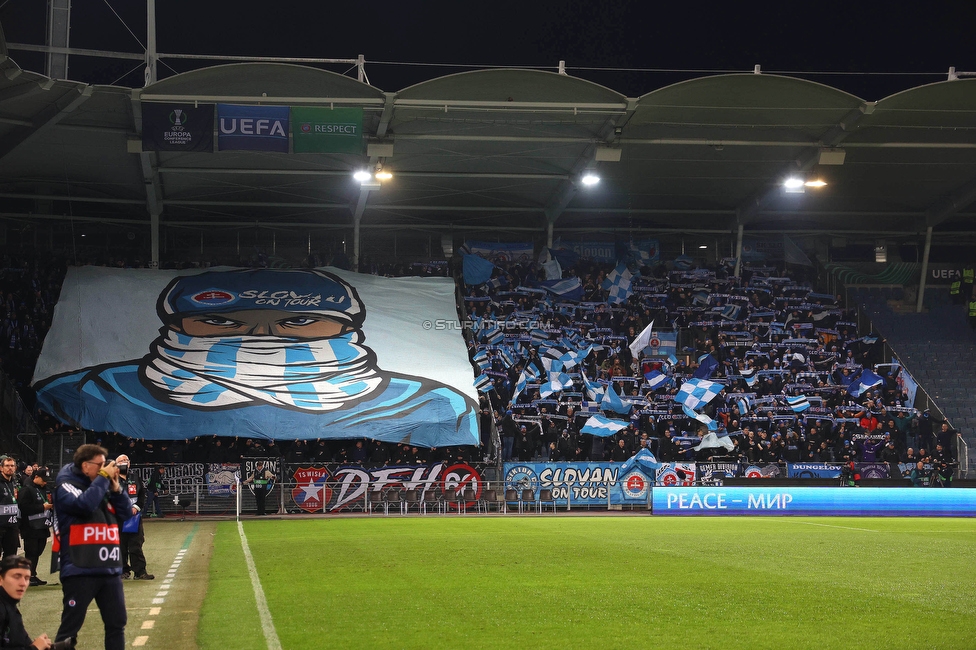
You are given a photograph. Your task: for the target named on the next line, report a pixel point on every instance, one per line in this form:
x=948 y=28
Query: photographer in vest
x=35 y=519
x=9 y=512
x=133 y=533
x=88 y=503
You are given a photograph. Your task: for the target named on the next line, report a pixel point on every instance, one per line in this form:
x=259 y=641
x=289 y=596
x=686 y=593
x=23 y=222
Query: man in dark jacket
x=88 y=502
x=35 y=512
x=9 y=512
x=15 y=572
x=133 y=559
x=156 y=487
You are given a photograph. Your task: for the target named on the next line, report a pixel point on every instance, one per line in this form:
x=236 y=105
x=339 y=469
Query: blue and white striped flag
x=612 y=402
x=506 y=357
x=731 y=312
x=598 y=425
x=656 y=379
x=483 y=383
x=558 y=381
x=496 y=283
x=743 y=404
x=749 y=374
x=798 y=403
x=863 y=381
x=520 y=386
x=539 y=336
x=594 y=391
x=480 y=355
x=701 y=417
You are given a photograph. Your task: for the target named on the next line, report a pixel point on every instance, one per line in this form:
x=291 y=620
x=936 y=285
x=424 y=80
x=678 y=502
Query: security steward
x=9 y=512
x=15 y=573
x=262 y=479
x=36 y=513
x=88 y=504
x=133 y=559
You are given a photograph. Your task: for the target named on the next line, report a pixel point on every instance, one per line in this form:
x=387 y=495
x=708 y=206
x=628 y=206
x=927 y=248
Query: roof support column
x=925 y=269
x=58 y=29
x=357 y=219
x=154 y=235
x=738 y=253
x=549 y=224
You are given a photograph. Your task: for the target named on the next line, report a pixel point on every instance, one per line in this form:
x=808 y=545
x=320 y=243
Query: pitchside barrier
x=457 y=487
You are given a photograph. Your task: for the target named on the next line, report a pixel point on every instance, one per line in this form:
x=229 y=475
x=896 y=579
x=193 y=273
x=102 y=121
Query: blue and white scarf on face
x=220 y=372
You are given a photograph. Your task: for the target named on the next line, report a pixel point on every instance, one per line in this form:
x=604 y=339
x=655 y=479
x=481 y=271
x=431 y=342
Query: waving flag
x=619 y=283
x=603 y=427
x=594 y=391
x=612 y=402
x=477 y=270
x=520 y=386
x=711 y=440
x=642 y=341
x=799 y=404
x=643 y=459
x=749 y=374
x=656 y=379
x=743 y=404
x=706 y=367
x=683 y=263
x=568 y=289
x=701 y=417
x=505 y=355
x=483 y=384
x=558 y=381
x=696 y=393
x=863 y=381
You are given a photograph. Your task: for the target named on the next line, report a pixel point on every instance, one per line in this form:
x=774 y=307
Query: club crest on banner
x=311 y=491
x=521 y=477
x=635 y=485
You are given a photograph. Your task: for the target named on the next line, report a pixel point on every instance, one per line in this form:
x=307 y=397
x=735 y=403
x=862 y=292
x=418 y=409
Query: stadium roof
x=503 y=150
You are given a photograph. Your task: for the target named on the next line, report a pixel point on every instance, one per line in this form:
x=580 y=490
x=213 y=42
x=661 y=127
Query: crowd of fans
x=796 y=341
x=787 y=339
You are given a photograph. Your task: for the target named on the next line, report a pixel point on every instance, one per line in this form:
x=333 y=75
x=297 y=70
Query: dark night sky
x=856 y=37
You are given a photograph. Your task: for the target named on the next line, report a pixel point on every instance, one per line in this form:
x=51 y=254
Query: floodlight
x=816 y=183
x=793 y=183
x=590 y=179
x=383 y=175
x=362 y=176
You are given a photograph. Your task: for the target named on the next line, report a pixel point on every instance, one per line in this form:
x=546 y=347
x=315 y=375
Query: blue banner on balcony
x=252 y=128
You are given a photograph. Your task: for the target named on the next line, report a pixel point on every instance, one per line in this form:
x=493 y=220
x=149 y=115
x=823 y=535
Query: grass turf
x=600 y=582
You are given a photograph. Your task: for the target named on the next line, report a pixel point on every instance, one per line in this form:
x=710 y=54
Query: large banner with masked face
x=270 y=353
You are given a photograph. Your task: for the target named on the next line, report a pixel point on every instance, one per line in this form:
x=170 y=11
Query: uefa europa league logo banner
x=177 y=127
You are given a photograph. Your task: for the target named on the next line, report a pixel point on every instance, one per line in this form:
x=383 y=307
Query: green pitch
x=598 y=582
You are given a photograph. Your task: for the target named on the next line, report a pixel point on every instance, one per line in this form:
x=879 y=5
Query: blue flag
x=862 y=382
x=477 y=270
x=612 y=402
x=706 y=367
x=603 y=427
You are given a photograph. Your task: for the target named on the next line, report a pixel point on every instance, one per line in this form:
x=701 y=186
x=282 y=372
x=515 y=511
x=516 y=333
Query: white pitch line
x=267 y=624
x=140 y=641
x=812 y=523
